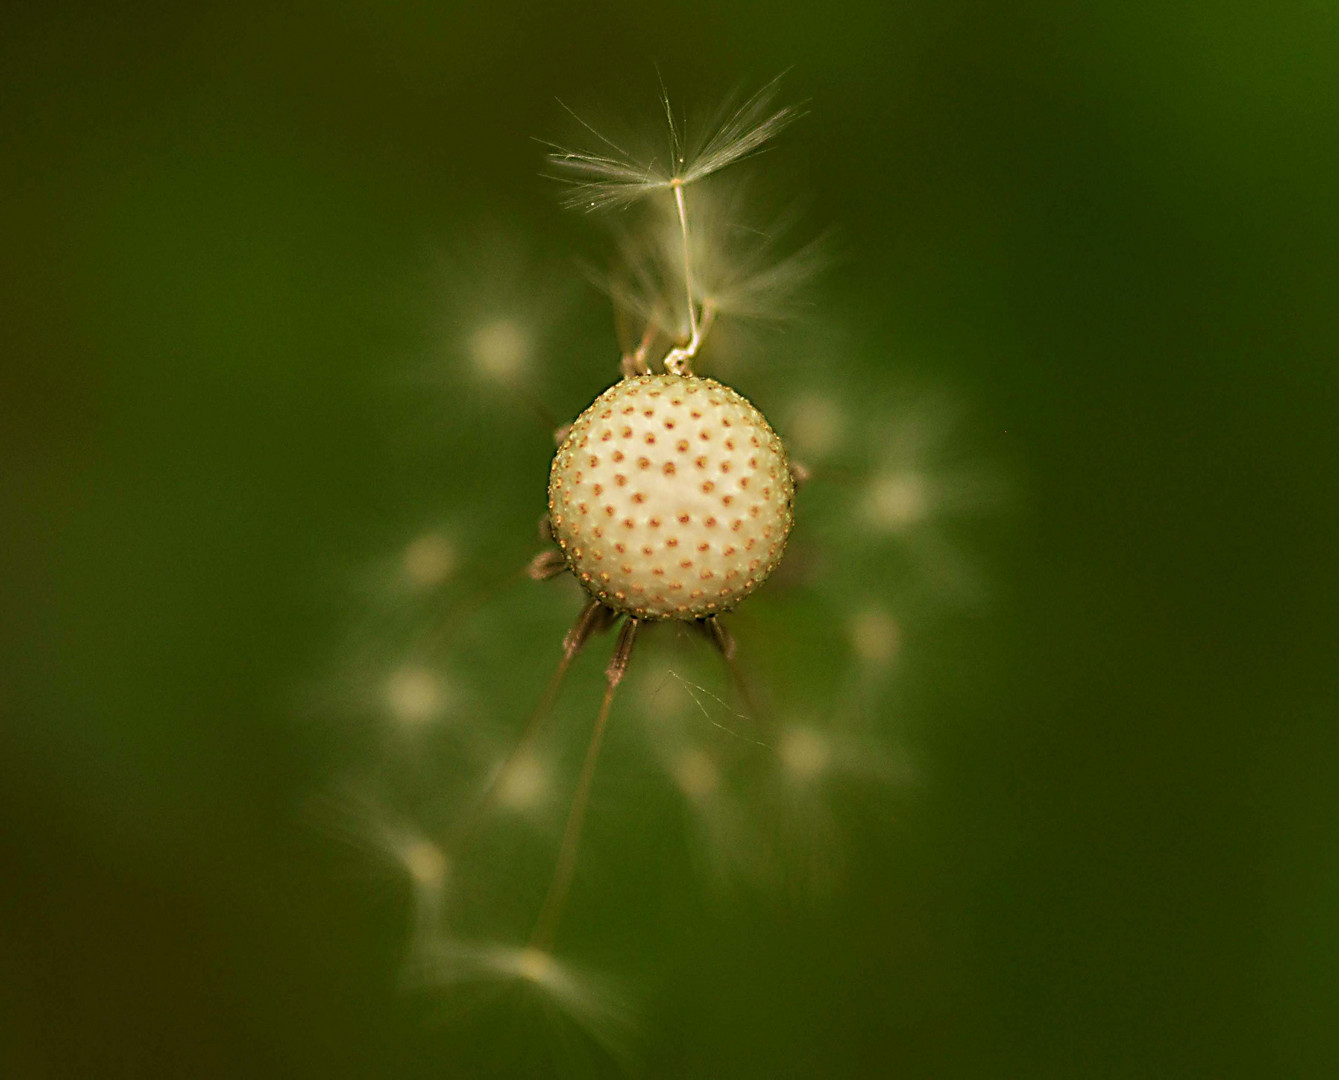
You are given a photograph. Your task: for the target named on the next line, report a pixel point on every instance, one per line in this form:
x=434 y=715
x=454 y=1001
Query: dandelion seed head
x=701 y=515
x=670 y=498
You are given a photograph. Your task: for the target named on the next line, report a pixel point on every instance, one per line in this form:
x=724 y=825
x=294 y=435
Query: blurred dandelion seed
x=875 y=636
x=697 y=693
x=662 y=699
x=804 y=753
x=394 y=841
x=524 y=785
x=428 y=561
x=595 y=1005
x=415 y=695
x=895 y=502
x=500 y=351
x=426 y=864
x=817 y=426
x=535 y=965
x=497 y=311
x=696 y=774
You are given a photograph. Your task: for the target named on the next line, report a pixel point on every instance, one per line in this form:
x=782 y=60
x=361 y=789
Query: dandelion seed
x=875 y=636
x=496 y=310
x=804 y=753
x=500 y=351
x=398 y=843
x=523 y=785
x=428 y=561
x=896 y=502
x=535 y=965
x=741 y=267
x=426 y=864
x=596 y=1005
x=695 y=774
x=817 y=426
x=415 y=695
x=612 y=176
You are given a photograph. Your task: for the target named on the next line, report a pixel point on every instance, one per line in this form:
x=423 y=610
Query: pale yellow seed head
x=671 y=497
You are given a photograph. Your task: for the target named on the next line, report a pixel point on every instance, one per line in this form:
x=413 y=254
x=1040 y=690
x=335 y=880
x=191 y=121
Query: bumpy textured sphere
x=671 y=497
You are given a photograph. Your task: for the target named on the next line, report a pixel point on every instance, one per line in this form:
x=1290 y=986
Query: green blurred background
x=1109 y=228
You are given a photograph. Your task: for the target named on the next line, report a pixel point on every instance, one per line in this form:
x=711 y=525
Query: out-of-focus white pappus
x=429 y=560
x=525 y=785
x=744 y=266
x=897 y=500
x=699 y=250
x=393 y=840
x=821 y=772
x=762 y=797
x=419 y=562
x=416 y=695
x=875 y=636
x=917 y=475
x=388 y=687
x=693 y=748
x=498 y=304
x=920 y=495
x=810 y=754
x=816 y=425
x=596 y=1005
